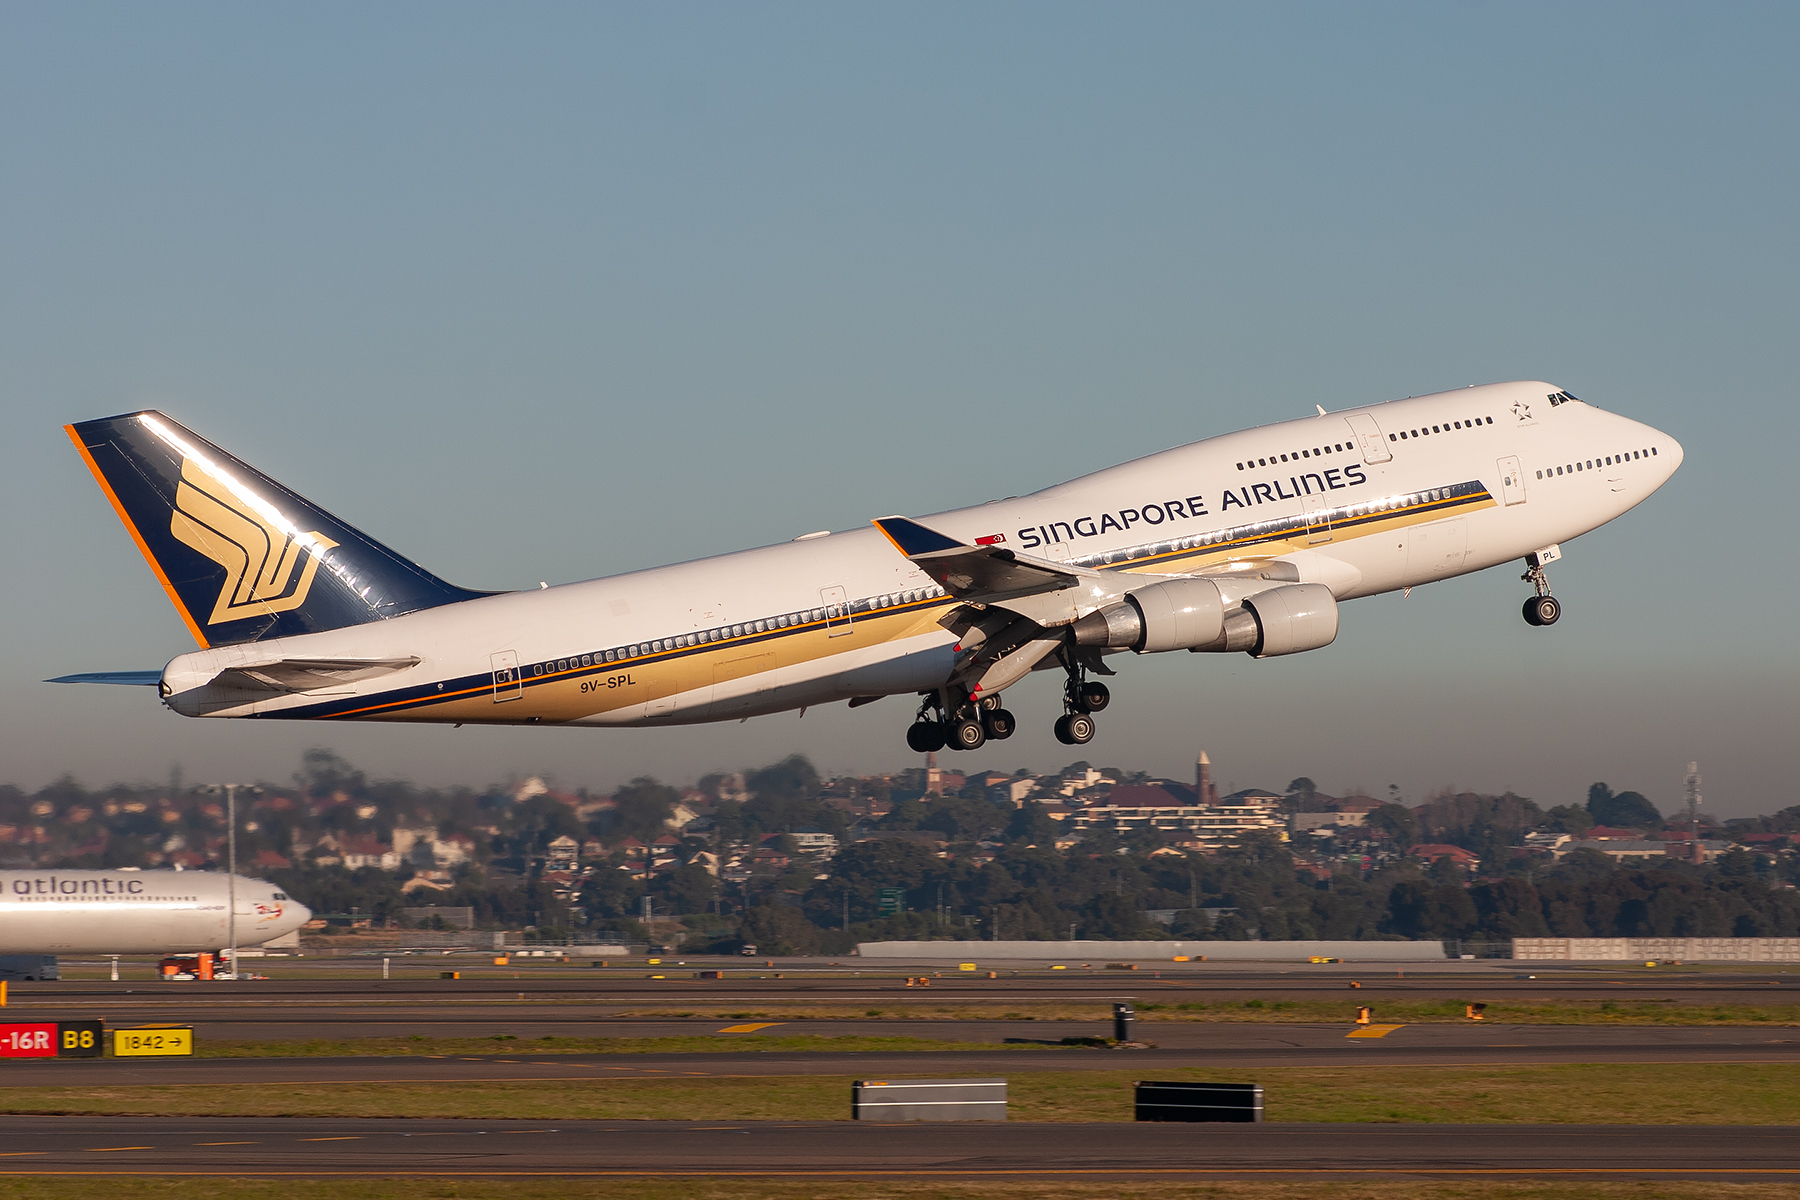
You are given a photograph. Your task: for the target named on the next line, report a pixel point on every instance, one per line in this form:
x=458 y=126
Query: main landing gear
x=959 y=723
x=952 y=719
x=1543 y=608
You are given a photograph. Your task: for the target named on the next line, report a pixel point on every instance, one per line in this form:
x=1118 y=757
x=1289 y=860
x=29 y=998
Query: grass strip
x=177 y=1188
x=1584 y=1093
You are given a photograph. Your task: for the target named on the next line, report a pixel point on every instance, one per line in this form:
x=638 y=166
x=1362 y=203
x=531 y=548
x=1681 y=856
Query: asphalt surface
x=307 y=1147
x=1176 y=1046
x=544 y=999
x=340 y=988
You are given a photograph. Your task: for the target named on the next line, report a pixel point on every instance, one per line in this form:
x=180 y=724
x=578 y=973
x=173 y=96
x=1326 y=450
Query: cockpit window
x=281 y=895
x=1561 y=398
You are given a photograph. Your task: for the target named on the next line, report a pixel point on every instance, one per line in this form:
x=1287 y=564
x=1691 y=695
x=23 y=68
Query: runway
x=545 y=999
x=121 y=1146
x=1188 y=1045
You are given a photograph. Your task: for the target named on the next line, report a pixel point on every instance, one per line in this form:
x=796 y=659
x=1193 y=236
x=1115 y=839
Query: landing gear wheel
x=1075 y=729
x=1542 y=610
x=1000 y=724
x=967 y=734
x=925 y=737
x=1093 y=697
x=990 y=703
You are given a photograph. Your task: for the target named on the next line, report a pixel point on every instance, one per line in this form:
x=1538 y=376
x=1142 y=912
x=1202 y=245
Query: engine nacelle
x=1301 y=616
x=1177 y=614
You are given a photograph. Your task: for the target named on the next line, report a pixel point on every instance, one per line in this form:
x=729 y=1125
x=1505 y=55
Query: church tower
x=1205 y=790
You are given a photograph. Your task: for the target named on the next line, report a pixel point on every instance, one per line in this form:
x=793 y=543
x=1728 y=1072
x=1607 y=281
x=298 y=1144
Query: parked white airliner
x=1245 y=542
x=138 y=912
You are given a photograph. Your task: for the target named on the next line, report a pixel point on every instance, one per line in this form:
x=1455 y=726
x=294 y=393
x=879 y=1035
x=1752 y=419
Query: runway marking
x=355 y=1137
x=751 y=1028
x=828 y=1173
x=22 y=1153
x=111 y=1149
x=226 y=1143
x=1374 y=1031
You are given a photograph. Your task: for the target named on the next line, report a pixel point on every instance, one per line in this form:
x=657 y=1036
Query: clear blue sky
x=537 y=291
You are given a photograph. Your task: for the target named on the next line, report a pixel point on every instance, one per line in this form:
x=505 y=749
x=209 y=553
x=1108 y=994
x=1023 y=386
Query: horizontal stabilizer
x=129 y=678
x=981 y=574
x=309 y=674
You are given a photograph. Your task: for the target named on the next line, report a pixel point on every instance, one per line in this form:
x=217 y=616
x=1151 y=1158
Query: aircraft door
x=1318 y=520
x=1512 y=481
x=837 y=610
x=507 y=683
x=1369 y=438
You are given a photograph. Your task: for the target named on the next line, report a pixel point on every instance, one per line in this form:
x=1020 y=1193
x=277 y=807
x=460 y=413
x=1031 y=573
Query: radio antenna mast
x=1693 y=807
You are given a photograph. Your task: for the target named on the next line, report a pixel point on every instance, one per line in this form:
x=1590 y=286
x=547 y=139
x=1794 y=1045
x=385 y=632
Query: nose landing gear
x=1081 y=698
x=1543 y=608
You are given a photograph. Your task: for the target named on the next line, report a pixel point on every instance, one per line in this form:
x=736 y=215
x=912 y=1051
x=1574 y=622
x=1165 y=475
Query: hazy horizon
x=557 y=291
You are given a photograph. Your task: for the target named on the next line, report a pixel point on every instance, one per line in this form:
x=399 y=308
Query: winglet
x=913 y=539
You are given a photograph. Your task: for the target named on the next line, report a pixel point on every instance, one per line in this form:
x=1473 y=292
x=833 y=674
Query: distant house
x=358 y=852
x=933 y=841
x=268 y=860
x=562 y=854
x=1610 y=833
x=813 y=841
x=769 y=858
x=1432 y=851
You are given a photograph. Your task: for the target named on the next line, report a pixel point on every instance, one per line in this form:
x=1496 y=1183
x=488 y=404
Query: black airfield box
x=928 y=1100
x=1241 y=1102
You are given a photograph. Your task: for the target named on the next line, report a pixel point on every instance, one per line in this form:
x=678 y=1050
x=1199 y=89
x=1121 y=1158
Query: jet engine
x=1300 y=616
x=1177 y=614
x=1191 y=614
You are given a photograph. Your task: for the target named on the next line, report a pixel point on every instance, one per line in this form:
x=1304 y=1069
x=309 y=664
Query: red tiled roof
x=1144 y=795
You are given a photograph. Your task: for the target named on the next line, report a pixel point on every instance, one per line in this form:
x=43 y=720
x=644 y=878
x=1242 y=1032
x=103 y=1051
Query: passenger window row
x=1590 y=464
x=1275 y=460
x=805 y=619
x=1447 y=427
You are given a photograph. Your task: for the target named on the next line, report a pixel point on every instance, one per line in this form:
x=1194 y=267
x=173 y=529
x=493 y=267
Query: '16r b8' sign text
x=53 y=1039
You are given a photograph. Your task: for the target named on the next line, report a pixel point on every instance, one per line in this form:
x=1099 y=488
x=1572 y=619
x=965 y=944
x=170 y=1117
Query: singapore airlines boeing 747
x=1244 y=543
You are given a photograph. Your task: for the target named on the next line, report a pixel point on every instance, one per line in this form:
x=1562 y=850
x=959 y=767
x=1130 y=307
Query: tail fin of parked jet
x=243 y=558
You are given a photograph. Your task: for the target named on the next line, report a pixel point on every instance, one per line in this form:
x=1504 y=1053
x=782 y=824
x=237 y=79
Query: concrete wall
x=1102 y=952
x=1721 y=949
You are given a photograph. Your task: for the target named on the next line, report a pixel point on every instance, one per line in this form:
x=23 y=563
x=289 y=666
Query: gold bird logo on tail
x=269 y=565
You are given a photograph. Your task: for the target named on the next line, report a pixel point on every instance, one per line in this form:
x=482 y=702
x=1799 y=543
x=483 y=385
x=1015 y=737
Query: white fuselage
x=138 y=912
x=1365 y=501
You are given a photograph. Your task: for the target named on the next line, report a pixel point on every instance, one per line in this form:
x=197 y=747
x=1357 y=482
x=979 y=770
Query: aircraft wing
x=308 y=674
x=977 y=574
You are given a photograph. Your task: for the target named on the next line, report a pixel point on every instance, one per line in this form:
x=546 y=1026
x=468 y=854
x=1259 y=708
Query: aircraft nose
x=302 y=914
